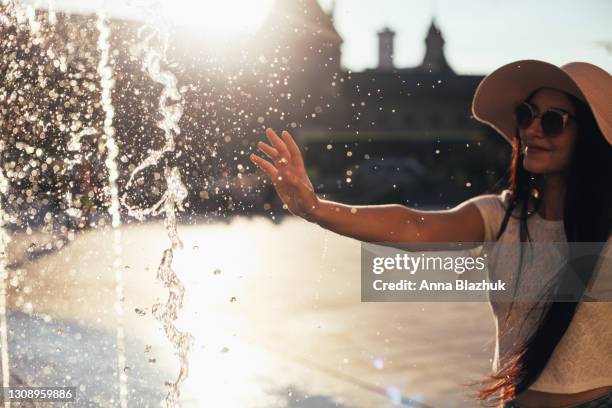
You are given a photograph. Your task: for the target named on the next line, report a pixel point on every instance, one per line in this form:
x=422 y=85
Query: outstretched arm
x=372 y=223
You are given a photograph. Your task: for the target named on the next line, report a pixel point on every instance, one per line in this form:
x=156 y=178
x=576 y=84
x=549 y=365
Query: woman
x=559 y=122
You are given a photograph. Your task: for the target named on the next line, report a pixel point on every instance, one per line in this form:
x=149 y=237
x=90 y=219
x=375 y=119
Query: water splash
x=30 y=12
x=105 y=72
x=12 y=11
x=4 y=240
x=107 y=83
x=171 y=108
x=51 y=10
x=74 y=145
x=170 y=102
x=167 y=312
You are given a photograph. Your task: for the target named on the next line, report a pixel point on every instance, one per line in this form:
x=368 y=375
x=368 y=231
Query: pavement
x=275 y=312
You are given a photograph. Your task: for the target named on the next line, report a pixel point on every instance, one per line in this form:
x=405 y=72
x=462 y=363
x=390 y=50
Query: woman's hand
x=287 y=173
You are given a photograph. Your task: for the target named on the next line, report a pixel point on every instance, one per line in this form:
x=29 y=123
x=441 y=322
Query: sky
x=480 y=35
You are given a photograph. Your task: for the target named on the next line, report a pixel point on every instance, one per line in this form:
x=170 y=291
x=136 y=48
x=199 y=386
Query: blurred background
x=374 y=95
x=378 y=96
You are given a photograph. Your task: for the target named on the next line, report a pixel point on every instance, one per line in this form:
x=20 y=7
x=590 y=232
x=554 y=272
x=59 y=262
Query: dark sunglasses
x=552 y=120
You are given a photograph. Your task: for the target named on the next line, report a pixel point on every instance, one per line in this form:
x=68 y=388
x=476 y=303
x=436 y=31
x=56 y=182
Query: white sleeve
x=492 y=211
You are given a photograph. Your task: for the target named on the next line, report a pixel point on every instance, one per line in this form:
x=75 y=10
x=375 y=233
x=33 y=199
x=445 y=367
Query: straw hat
x=503 y=89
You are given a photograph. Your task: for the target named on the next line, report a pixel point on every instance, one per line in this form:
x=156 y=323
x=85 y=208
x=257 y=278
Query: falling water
x=106 y=80
x=12 y=9
x=167 y=313
x=31 y=16
x=4 y=239
x=171 y=108
x=52 y=16
x=75 y=137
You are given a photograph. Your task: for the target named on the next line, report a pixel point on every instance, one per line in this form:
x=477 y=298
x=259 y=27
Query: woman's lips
x=536 y=149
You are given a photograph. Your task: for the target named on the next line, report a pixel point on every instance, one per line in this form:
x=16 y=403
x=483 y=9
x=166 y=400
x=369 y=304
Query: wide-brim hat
x=502 y=90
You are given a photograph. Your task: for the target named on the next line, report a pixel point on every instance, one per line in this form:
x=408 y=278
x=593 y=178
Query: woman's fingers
x=265 y=166
x=276 y=174
x=278 y=143
x=270 y=151
x=293 y=148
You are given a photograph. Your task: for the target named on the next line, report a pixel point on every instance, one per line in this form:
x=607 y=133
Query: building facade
x=388 y=134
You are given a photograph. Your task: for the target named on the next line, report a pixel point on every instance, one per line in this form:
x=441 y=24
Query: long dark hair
x=587 y=217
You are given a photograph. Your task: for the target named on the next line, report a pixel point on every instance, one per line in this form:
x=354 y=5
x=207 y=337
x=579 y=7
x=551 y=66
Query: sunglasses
x=552 y=120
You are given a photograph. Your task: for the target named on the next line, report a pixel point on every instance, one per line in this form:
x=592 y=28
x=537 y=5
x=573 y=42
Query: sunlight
x=226 y=16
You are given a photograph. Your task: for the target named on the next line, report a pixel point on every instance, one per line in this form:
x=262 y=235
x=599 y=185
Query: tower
x=434 y=60
x=303 y=31
x=385 y=49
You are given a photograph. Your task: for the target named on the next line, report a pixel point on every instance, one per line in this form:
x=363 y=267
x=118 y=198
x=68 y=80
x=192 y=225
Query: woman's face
x=545 y=154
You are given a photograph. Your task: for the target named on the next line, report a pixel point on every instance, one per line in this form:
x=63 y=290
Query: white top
x=582 y=359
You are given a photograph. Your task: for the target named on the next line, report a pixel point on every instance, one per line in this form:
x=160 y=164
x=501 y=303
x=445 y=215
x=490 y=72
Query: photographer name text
x=425 y=285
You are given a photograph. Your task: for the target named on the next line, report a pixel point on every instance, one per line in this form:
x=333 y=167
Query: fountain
x=106 y=81
x=170 y=108
x=4 y=238
x=17 y=11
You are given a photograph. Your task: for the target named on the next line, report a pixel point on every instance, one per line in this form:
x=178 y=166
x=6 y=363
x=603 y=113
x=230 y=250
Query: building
x=388 y=134
x=414 y=117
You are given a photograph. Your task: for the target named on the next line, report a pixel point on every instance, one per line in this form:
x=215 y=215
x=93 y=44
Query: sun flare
x=219 y=15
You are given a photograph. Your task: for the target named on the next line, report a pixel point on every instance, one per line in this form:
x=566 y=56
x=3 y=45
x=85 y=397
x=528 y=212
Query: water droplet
x=378 y=363
x=394 y=394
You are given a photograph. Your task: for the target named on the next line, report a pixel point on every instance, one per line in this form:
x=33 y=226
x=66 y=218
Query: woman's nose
x=535 y=129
